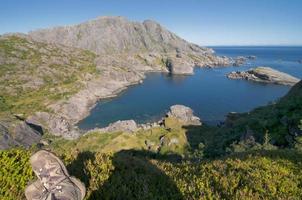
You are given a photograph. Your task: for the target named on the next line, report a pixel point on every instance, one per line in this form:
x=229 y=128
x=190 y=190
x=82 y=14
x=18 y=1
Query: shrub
x=15 y=173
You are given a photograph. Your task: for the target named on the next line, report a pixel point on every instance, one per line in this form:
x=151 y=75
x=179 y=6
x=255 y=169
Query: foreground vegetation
x=142 y=175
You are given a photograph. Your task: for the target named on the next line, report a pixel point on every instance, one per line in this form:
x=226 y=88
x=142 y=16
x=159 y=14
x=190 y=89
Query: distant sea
x=208 y=92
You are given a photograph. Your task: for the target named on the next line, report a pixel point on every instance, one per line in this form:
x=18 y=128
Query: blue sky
x=205 y=22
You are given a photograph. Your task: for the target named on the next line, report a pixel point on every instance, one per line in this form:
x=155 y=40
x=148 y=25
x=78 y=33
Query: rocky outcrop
x=179 y=66
x=55 y=124
x=265 y=75
x=128 y=126
x=184 y=114
x=19 y=133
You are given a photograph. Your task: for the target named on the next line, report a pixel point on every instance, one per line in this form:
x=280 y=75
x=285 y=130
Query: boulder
x=183 y=114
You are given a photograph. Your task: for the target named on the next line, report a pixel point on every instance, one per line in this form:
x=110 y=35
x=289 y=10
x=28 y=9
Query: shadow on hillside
x=77 y=167
x=211 y=136
x=134 y=177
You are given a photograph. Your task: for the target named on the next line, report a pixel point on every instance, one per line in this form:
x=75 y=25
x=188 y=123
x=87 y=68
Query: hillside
x=50 y=79
x=34 y=76
x=108 y=35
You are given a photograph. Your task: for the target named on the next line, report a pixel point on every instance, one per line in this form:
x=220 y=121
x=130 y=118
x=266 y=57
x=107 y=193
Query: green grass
x=144 y=175
x=115 y=142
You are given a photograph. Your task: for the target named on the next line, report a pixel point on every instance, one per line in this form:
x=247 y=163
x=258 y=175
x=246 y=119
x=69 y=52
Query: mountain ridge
x=133 y=35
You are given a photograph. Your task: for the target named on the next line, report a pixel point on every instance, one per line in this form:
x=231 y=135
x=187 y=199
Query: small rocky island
x=265 y=75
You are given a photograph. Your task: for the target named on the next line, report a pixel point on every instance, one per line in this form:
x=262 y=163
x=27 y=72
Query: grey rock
x=240 y=60
x=55 y=124
x=183 y=114
x=107 y=35
x=128 y=126
x=19 y=133
x=6 y=140
x=265 y=75
x=179 y=66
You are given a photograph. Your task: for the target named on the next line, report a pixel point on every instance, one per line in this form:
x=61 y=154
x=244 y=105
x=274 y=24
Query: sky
x=204 y=22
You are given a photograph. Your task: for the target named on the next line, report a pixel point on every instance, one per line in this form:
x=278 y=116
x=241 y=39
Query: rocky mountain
x=53 y=77
x=108 y=35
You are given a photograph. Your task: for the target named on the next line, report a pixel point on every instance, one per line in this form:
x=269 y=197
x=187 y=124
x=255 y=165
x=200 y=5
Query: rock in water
x=179 y=66
x=183 y=114
x=265 y=75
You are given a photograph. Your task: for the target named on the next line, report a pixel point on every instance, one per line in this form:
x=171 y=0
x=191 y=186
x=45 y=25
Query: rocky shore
x=183 y=114
x=265 y=75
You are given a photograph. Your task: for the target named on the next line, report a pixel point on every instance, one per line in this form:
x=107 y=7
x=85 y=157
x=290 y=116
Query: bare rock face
x=183 y=114
x=265 y=75
x=20 y=133
x=107 y=35
x=6 y=140
x=55 y=124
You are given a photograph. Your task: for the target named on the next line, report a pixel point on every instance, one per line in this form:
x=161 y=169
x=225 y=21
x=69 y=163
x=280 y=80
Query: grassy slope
x=33 y=75
x=275 y=119
x=115 y=142
x=111 y=162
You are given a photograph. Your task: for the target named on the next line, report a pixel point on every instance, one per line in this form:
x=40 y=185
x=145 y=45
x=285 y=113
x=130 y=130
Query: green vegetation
x=142 y=175
x=141 y=140
x=15 y=172
x=34 y=75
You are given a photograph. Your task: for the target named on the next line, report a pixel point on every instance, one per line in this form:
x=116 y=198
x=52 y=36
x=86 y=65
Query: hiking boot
x=69 y=189
x=66 y=190
x=54 y=176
